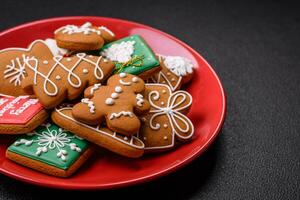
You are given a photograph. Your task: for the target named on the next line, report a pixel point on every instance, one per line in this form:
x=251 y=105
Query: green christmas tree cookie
x=131 y=55
x=51 y=145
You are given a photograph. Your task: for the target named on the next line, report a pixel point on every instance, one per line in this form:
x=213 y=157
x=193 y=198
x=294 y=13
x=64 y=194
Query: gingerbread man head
x=118 y=103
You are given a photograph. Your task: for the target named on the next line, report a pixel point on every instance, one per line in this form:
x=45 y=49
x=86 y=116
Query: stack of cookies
x=65 y=96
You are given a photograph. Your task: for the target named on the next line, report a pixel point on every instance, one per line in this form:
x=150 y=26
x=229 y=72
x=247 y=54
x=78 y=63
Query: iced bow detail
x=173 y=111
x=135 y=61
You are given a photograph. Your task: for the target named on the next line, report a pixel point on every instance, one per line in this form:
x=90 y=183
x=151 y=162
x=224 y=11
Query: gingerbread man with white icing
x=119 y=103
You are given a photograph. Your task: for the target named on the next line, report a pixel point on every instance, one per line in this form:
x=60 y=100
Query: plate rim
x=146 y=178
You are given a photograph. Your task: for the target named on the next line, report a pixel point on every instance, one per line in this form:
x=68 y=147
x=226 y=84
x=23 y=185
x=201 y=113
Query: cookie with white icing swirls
x=175 y=71
x=64 y=78
x=129 y=146
x=83 y=38
x=12 y=66
x=119 y=103
x=51 y=150
x=166 y=123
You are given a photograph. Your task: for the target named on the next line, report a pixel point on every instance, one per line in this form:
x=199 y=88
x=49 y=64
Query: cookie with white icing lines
x=20 y=115
x=51 y=150
x=64 y=78
x=175 y=71
x=119 y=104
x=12 y=66
x=83 y=38
x=129 y=146
x=166 y=123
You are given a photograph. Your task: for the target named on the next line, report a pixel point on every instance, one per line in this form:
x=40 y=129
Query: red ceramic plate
x=107 y=170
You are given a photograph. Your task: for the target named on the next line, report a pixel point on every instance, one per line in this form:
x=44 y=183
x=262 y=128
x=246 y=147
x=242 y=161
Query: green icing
x=141 y=50
x=50 y=144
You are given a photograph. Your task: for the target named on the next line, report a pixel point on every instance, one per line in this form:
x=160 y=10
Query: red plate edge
x=143 y=179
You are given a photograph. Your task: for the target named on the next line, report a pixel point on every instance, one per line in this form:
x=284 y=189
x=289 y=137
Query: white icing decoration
x=163 y=91
x=107 y=30
x=165 y=138
x=95 y=87
x=96 y=129
x=91 y=56
x=55 y=50
x=58 y=77
x=22 y=108
x=165 y=125
x=145 y=138
x=105 y=60
x=135 y=79
x=86 y=29
x=179 y=65
x=85 y=71
x=125 y=138
x=70 y=76
x=119 y=52
x=124 y=82
x=118 y=89
x=109 y=101
x=12 y=104
x=114 y=95
x=139 y=99
x=122 y=113
x=16 y=70
x=172 y=111
x=173 y=79
x=90 y=104
x=122 y=75
x=45 y=62
x=69 y=59
x=162 y=103
x=51 y=140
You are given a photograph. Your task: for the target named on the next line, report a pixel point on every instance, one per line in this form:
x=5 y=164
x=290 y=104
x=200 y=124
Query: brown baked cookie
x=53 y=81
x=129 y=146
x=175 y=71
x=20 y=114
x=12 y=66
x=51 y=150
x=118 y=104
x=166 y=122
x=83 y=38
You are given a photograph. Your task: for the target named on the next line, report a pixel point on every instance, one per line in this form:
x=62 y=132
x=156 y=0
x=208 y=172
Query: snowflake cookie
x=50 y=149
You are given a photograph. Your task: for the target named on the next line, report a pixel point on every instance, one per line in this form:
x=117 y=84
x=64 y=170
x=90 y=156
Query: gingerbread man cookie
x=166 y=121
x=129 y=146
x=12 y=66
x=53 y=81
x=175 y=71
x=118 y=103
x=83 y=38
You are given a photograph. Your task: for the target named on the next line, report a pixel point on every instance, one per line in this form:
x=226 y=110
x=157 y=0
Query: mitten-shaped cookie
x=53 y=81
x=83 y=38
x=118 y=103
x=175 y=71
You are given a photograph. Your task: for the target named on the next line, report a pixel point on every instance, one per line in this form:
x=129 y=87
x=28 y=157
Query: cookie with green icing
x=132 y=55
x=50 y=149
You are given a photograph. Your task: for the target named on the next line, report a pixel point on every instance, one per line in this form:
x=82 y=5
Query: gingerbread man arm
x=141 y=105
x=86 y=112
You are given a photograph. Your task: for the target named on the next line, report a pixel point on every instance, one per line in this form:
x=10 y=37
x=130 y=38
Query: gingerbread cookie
x=166 y=122
x=83 y=38
x=12 y=66
x=20 y=114
x=175 y=71
x=129 y=146
x=132 y=55
x=118 y=103
x=51 y=150
x=53 y=81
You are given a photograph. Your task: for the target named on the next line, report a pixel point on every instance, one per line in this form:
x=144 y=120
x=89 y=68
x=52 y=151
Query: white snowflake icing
x=52 y=140
x=120 y=52
x=179 y=65
x=86 y=29
x=16 y=70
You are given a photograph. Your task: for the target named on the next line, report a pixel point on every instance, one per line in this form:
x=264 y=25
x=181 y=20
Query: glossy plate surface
x=107 y=170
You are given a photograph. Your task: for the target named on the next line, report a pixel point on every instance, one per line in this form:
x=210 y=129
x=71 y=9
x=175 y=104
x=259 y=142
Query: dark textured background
x=255 y=49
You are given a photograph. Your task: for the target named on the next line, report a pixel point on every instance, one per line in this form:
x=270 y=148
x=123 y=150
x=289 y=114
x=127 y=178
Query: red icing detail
x=18 y=110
